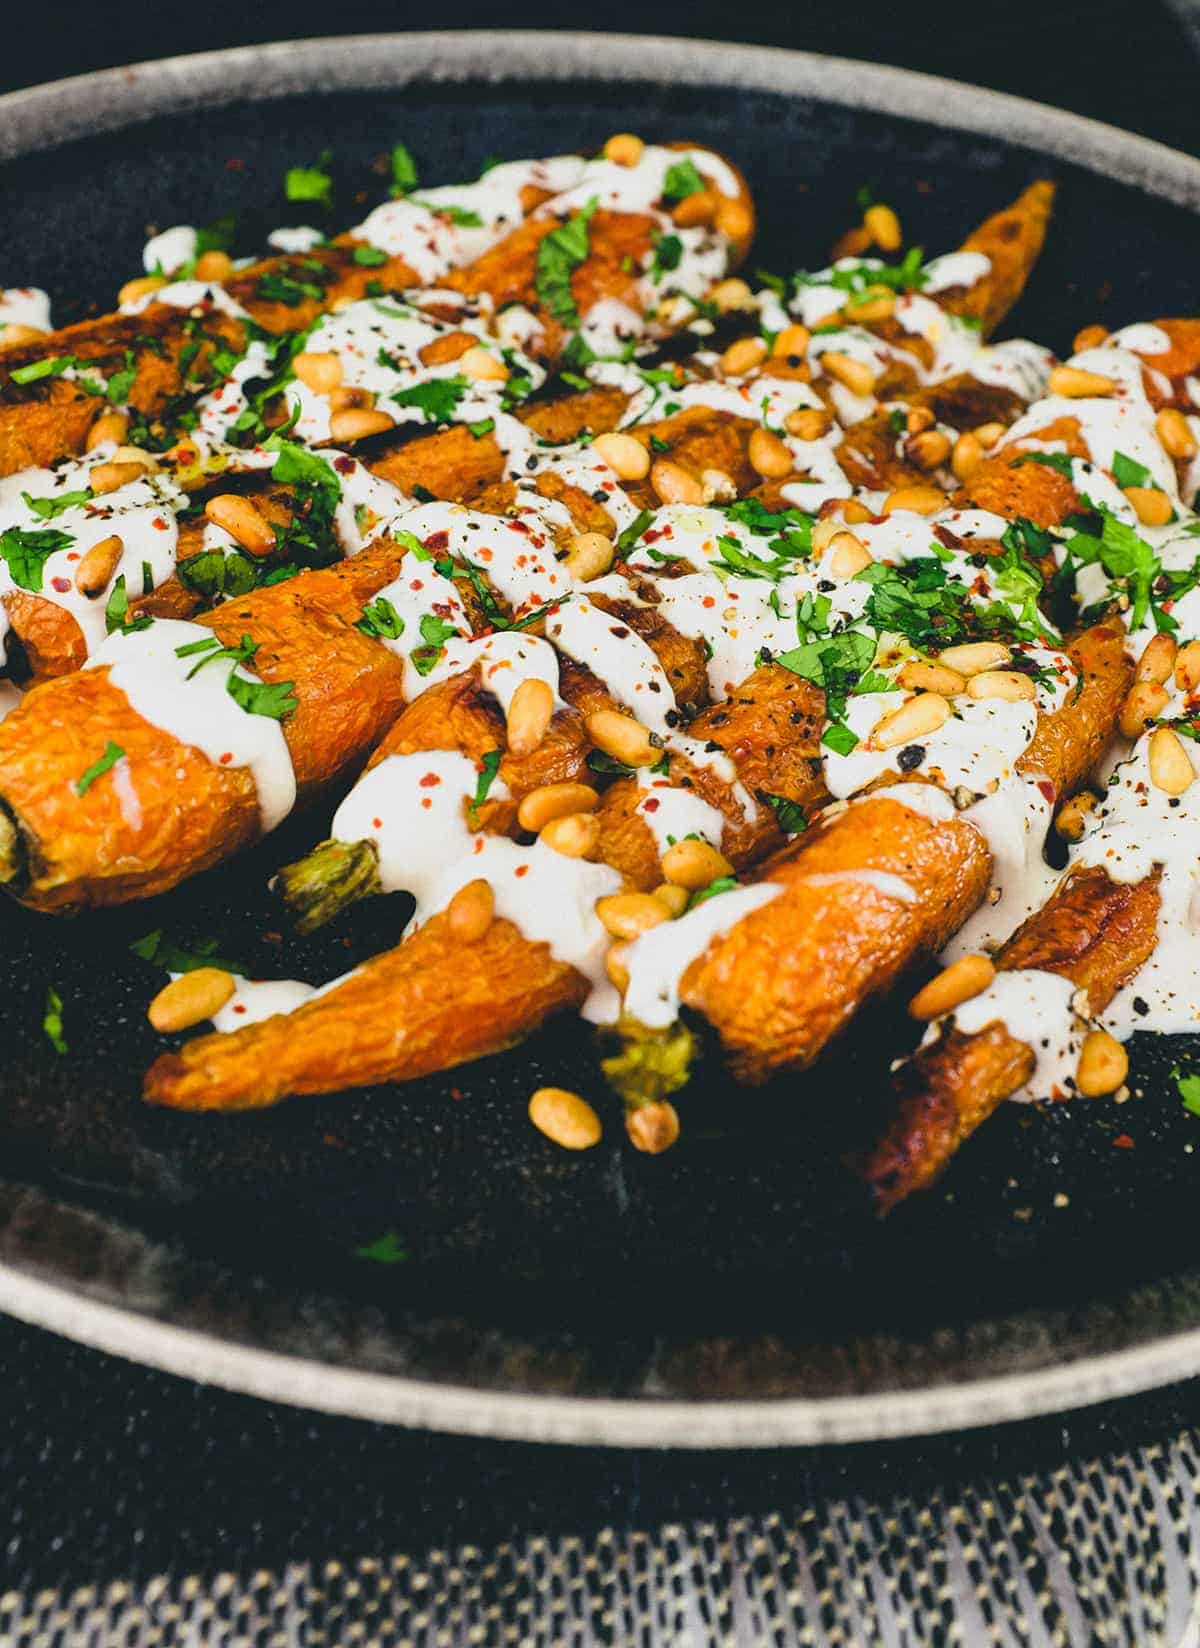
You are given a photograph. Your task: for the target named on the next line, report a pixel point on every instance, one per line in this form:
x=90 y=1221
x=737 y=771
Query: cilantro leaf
x=386 y=1250
x=461 y=216
x=1060 y=461
x=404 y=170
x=213 y=573
x=1125 y=557
x=274 y=699
x=381 y=619
x=489 y=765
x=163 y=952
x=28 y=551
x=789 y=814
x=46 y=509
x=309 y=183
x=681 y=180
x=52 y=1021
x=437 y=399
x=369 y=257
x=1128 y=472
x=435 y=632
x=297 y=465
x=1189 y=1090
x=668 y=254
x=559 y=254
x=723 y=884
x=633 y=532
x=112 y=754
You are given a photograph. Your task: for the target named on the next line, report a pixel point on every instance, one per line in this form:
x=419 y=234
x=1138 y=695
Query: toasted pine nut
x=109 y=477
x=190 y=998
x=920 y=676
x=855 y=375
x=824 y=532
x=1157 y=661
x=673 y=898
x=742 y=356
x=883 y=226
x=446 y=347
x=1187 y=667
x=918 y=500
x=929 y=449
x=238 y=516
x=1075 y=383
x=808 y=423
x=918 y=419
x=1171 y=768
x=357 y=423
x=848 y=555
x=855 y=512
x=479 y=363
x=1008 y=685
x=973 y=657
x=731 y=295
x=1103 y=1065
x=1088 y=337
x=768 y=455
x=967 y=455
x=623 y=738
x=14 y=334
x=674 y=485
x=213 y=266
x=564 y=1117
x=1144 y=701
x=1150 y=504
x=530 y=710
x=624 y=149
x=1072 y=817
x=694 y=864
x=555 y=801
x=575 y=836
x=629 y=915
x=652 y=1128
x=589 y=555
x=140 y=288
x=876 y=303
x=320 y=370
x=695 y=211
x=98 y=565
x=109 y=426
x=626 y=457
x=735 y=220
x=350 y=397
x=136 y=455
x=471 y=910
x=717 y=486
x=616 y=965
x=919 y=716
x=955 y=984
x=988 y=434
x=793 y=340
x=1175 y=433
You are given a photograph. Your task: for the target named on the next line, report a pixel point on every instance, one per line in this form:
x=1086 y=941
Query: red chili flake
x=159 y=524
x=72 y=555
x=429 y=780
x=437 y=540
x=62 y=585
x=456 y=1094
x=1123 y=1141
x=238 y=1007
x=478 y=843
x=272 y=938
x=235 y=163
x=650 y=805
x=521 y=869
x=709 y=601
x=345 y=465
x=377 y=823
x=332 y=1140
x=226 y=758
x=426 y=802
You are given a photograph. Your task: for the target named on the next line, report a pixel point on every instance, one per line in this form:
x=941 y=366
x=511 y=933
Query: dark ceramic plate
x=735 y=1291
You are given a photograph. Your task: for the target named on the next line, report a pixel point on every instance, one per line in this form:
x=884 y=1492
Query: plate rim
x=44 y=116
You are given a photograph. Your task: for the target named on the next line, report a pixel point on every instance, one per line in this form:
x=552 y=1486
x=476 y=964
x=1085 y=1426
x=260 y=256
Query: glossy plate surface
x=735 y=1291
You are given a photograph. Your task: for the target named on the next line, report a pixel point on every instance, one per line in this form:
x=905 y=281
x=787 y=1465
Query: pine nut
x=1075 y=383
x=1171 y=768
x=1009 y=685
x=768 y=455
x=136 y=455
x=717 y=486
x=110 y=477
x=973 y=657
x=98 y=565
x=743 y=356
x=616 y=966
x=628 y=459
x=988 y=434
x=320 y=370
x=624 y=149
x=967 y=455
x=919 y=676
x=238 y=516
x=695 y=211
x=824 y=532
x=955 y=984
x=883 y=226
x=1144 y=701
x=1187 y=667
x=876 y=303
x=1175 y=433
x=350 y=397
x=735 y=220
x=470 y=911
x=652 y=1128
x=142 y=287
x=848 y=555
x=929 y=449
x=190 y=998
x=213 y=266
x=357 y=423
x=855 y=512
x=589 y=555
x=109 y=426
x=793 y=340
x=555 y=801
x=629 y=915
x=808 y=423
x=575 y=836
x=1157 y=661
x=480 y=364
x=14 y=335
x=623 y=738
x=530 y=710
x=1073 y=815
x=918 y=500
x=674 y=485
x=918 y=717
x=673 y=898
x=1151 y=505
x=564 y=1117
x=855 y=375
x=694 y=864
x=919 y=419
x=1103 y=1065
x=1089 y=337
x=731 y=296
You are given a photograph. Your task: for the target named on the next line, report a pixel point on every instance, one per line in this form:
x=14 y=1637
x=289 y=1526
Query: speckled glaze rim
x=60 y=111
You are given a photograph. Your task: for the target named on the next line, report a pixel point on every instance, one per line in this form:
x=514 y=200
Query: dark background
x=83 y=1439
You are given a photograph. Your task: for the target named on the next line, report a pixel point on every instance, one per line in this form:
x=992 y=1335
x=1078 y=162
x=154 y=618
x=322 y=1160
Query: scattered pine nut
x=674 y=485
x=629 y=915
x=358 y=423
x=627 y=458
x=565 y=1118
x=320 y=370
x=652 y=1128
x=1150 y=504
x=694 y=864
x=808 y=423
x=555 y=801
x=972 y=657
x=918 y=500
x=883 y=226
x=624 y=149
x=1008 y=685
x=854 y=375
x=1175 y=433
x=848 y=555
x=1076 y=384
x=623 y=738
x=14 y=334
x=1171 y=768
x=575 y=836
x=589 y=555
x=109 y=426
x=190 y=998
x=743 y=356
x=916 y=719
x=929 y=449
x=1157 y=661
x=732 y=295
x=1089 y=337
x=1144 y=702
x=1103 y=1065
x=479 y=363
x=237 y=515
x=955 y=984
x=769 y=456
x=792 y=340
x=110 y=477
x=213 y=266
x=1187 y=667
x=98 y=565
x=1073 y=815
x=921 y=676
x=134 y=290
x=673 y=898
x=471 y=910
x=967 y=455
x=735 y=220
x=530 y=710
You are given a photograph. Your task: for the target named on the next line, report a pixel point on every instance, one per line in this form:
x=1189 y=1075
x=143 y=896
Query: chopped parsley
x=310 y=183
x=213 y=573
x=559 y=254
x=1127 y=559
x=272 y=699
x=28 y=551
x=1189 y=1090
x=46 y=509
x=369 y=257
x=723 y=884
x=1128 y=472
x=437 y=399
x=112 y=754
x=404 y=171
x=668 y=254
x=172 y=958
x=460 y=216
x=278 y=286
x=482 y=428
x=489 y=766
x=381 y=619
x=386 y=1250
x=1060 y=461
x=789 y=814
x=435 y=632
x=52 y=1021
x=633 y=532
x=681 y=180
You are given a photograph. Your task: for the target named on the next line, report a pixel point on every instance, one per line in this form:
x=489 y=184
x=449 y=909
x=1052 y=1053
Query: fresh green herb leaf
x=633 y=532
x=435 y=632
x=297 y=465
x=489 y=766
x=482 y=428
x=839 y=738
x=1189 y=1090
x=120 y=384
x=790 y=814
x=213 y=573
x=386 y=1250
x=52 y=1021
x=1061 y=461
x=723 y=884
x=369 y=257
x=460 y=216
x=559 y=254
x=274 y=700
x=112 y=754
x=28 y=551
x=309 y=183
x=381 y=619
x=46 y=509
x=52 y=366
x=217 y=236
x=1128 y=472
x=668 y=254
x=681 y=180
x=436 y=399
x=172 y=958
x=276 y=286
x=404 y=171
